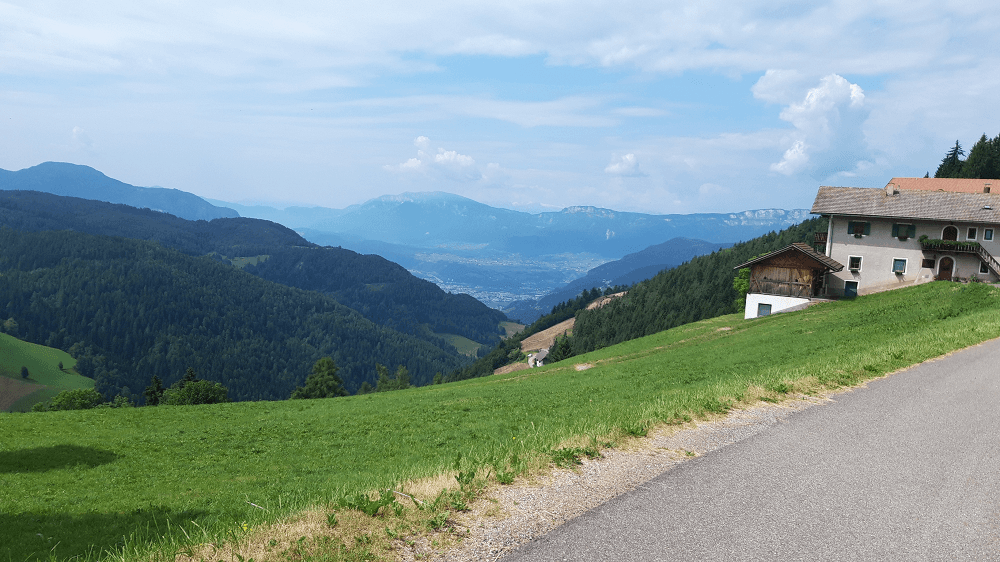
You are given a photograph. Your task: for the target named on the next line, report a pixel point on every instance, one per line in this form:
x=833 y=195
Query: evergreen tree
x=984 y=160
x=323 y=382
x=24 y=372
x=951 y=164
x=189 y=377
x=154 y=392
x=386 y=383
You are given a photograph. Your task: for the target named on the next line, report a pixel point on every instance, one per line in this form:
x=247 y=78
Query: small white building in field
x=915 y=230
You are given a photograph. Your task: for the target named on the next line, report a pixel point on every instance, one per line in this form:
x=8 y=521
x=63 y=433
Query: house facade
x=914 y=230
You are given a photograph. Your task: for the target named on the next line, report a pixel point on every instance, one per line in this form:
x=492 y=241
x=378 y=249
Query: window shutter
x=850 y=227
x=895 y=231
x=868 y=228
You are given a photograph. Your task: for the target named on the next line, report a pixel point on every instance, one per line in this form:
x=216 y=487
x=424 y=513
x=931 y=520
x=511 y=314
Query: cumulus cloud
x=627 y=165
x=442 y=163
x=827 y=137
x=81 y=140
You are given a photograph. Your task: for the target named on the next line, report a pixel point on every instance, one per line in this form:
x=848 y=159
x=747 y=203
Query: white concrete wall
x=778 y=303
x=878 y=250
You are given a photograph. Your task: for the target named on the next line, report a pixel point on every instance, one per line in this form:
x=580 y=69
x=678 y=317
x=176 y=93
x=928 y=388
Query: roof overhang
x=822 y=261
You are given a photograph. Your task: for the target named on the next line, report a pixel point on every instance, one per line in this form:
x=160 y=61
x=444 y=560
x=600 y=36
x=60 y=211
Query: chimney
x=986 y=188
x=891 y=189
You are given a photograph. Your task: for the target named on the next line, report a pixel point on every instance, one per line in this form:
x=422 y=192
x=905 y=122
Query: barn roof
x=823 y=261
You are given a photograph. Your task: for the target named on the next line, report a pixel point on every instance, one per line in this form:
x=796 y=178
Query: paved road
x=906 y=469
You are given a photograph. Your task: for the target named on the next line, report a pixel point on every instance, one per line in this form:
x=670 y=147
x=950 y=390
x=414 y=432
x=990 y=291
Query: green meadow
x=144 y=483
x=464 y=345
x=45 y=378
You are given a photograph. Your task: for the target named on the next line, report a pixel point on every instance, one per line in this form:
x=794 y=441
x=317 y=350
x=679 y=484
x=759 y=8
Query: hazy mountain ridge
x=502 y=256
x=72 y=180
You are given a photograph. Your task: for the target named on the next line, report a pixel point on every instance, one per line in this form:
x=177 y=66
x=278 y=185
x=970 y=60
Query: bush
x=197 y=392
x=79 y=399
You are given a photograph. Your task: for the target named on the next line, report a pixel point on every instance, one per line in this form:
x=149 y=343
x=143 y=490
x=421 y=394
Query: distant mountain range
x=60 y=178
x=501 y=256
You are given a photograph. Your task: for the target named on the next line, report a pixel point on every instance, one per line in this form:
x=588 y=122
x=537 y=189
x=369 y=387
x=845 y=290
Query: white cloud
x=627 y=165
x=447 y=164
x=828 y=137
x=81 y=140
x=780 y=86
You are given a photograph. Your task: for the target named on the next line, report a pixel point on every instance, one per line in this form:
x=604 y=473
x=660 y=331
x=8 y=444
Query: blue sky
x=662 y=107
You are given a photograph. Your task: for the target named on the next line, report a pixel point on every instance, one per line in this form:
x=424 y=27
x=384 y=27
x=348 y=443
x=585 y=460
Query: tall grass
x=131 y=480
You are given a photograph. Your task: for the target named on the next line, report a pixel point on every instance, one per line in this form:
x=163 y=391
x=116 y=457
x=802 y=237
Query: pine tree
x=154 y=392
x=983 y=160
x=323 y=382
x=951 y=164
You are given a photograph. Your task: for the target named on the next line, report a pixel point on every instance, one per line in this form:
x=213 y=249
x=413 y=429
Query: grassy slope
x=464 y=345
x=43 y=366
x=90 y=478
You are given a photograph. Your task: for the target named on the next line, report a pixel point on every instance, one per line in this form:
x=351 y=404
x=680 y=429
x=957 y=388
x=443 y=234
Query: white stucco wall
x=778 y=303
x=879 y=248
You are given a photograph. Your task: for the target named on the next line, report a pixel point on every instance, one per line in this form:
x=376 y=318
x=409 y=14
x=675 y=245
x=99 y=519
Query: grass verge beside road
x=134 y=482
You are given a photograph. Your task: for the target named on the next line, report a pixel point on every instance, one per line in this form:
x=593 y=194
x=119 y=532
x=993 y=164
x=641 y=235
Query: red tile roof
x=954 y=185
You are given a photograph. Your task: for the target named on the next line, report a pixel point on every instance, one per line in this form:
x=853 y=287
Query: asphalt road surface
x=905 y=469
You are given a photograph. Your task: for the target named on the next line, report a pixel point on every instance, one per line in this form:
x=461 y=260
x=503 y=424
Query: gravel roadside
x=509 y=516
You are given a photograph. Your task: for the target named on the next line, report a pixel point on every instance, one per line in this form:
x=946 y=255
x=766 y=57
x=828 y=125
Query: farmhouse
x=913 y=231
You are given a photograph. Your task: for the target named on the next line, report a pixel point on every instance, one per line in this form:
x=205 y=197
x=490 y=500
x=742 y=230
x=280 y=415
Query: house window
x=854 y=263
x=983 y=268
x=928 y=263
x=850 y=289
x=988 y=234
x=859 y=229
x=904 y=231
x=971 y=235
x=763 y=309
x=899 y=266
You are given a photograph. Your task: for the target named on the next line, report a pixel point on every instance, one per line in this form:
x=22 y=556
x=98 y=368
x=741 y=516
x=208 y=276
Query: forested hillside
x=701 y=288
x=382 y=291
x=129 y=310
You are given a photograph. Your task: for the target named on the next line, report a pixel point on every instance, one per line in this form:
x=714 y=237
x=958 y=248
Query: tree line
x=983 y=161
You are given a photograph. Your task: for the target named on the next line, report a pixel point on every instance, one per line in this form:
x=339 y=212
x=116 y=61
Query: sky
x=656 y=107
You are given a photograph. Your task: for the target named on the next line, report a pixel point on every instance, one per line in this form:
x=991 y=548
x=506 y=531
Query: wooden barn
x=786 y=279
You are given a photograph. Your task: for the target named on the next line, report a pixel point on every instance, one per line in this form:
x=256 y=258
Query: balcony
x=930 y=244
